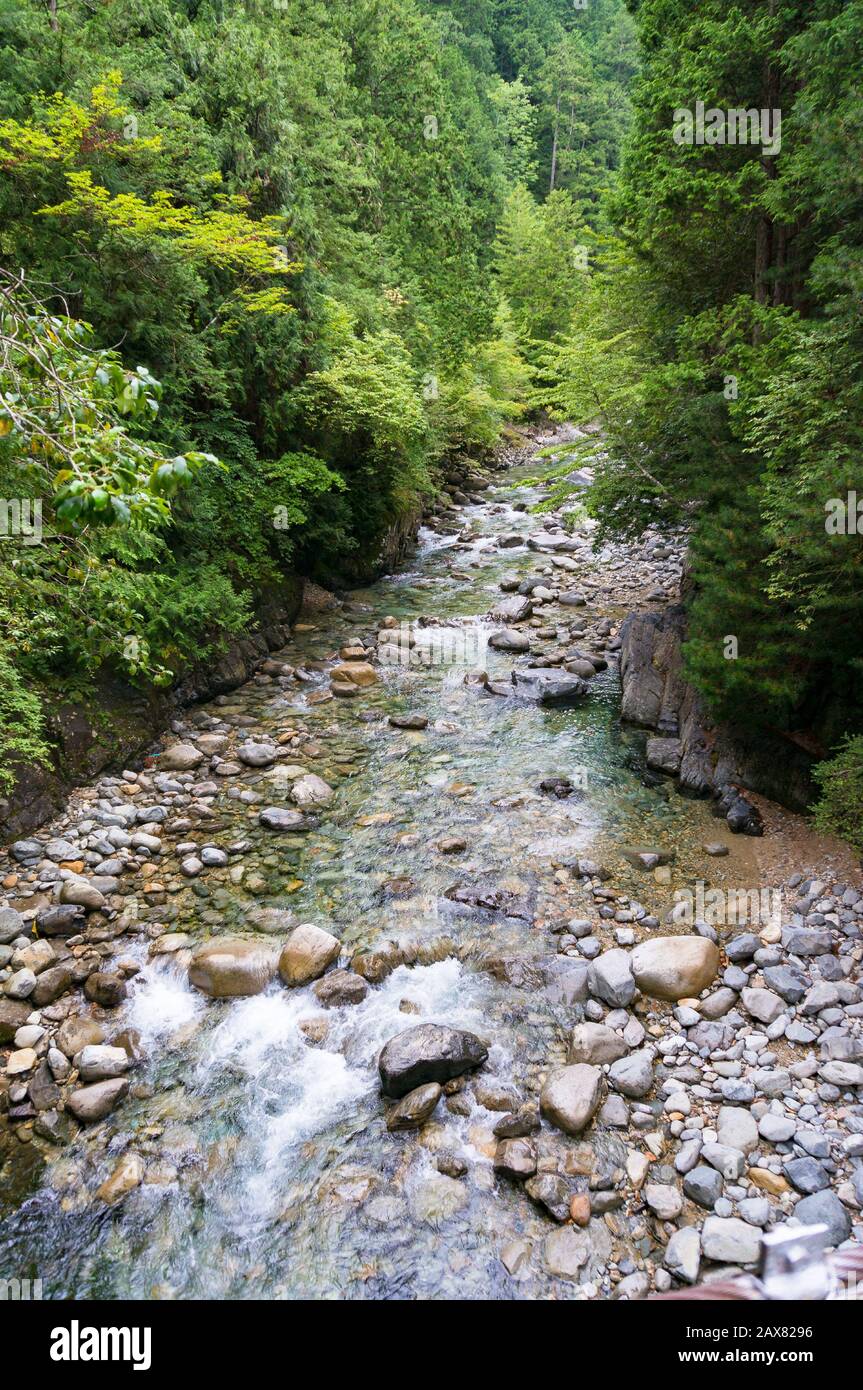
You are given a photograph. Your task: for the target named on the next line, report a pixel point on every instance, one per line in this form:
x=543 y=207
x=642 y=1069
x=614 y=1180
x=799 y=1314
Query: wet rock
x=340 y=987
x=509 y=640
x=515 y=1158
x=408 y=721
x=228 y=967
x=548 y=685
x=429 y=1052
x=253 y=754
x=518 y=1124
x=307 y=953
x=92 y=1103
x=65 y=920
x=566 y=1252
x=674 y=967
x=610 y=978
x=284 y=819
x=550 y=1192
x=358 y=673
x=595 y=1044
x=128 y=1174
x=664 y=754
x=108 y=991
x=571 y=1097
x=97 y=1062
x=311 y=791
x=437 y=1199
x=415 y=1108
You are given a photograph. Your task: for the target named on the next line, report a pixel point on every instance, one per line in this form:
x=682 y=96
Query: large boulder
x=230 y=966
x=548 y=685
x=674 y=967
x=307 y=953
x=430 y=1052
x=571 y=1097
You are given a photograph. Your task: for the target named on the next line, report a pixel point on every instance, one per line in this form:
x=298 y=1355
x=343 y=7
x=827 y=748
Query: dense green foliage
x=265 y=264
x=721 y=341
x=840 y=810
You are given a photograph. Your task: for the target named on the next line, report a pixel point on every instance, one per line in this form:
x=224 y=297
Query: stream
x=269 y=1170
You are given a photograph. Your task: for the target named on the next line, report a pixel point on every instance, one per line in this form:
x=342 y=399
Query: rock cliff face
x=707 y=759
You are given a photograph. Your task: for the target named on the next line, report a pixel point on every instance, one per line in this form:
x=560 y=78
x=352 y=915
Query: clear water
x=270 y=1173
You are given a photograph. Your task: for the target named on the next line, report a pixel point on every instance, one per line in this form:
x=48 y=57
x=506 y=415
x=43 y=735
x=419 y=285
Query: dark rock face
x=714 y=759
x=427 y=1053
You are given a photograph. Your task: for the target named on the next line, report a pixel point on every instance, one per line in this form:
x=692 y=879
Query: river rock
x=11 y=925
x=610 y=978
x=92 y=1103
x=548 y=685
x=825 y=1207
x=762 y=1004
x=96 y=1062
x=13 y=1015
x=105 y=989
x=181 y=757
x=358 y=673
x=311 y=791
x=633 y=1075
x=64 y=920
x=727 y=1240
x=128 y=1174
x=79 y=893
x=567 y=1251
x=227 y=967
x=736 y=1127
x=674 y=967
x=429 y=1052
x=595 y=1044
x=254 y=754
x=51 y=984
x=509 y=640
x=513 y=609
x=571 y=1097
x=683 y=1254
x=515 y=1158
x=307 y=953
x=415 y=1108
x=77 y=1033
x=340 y=987
x=283 y=818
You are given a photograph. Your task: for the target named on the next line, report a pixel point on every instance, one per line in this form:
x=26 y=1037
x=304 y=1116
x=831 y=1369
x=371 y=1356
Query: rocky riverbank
x=376 y=954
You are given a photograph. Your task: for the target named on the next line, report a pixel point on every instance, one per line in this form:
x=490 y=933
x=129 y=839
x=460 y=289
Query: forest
x=266 y=264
